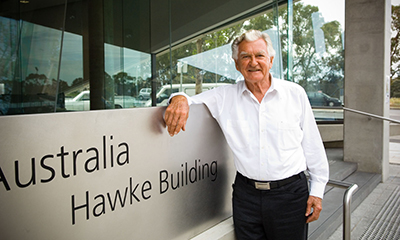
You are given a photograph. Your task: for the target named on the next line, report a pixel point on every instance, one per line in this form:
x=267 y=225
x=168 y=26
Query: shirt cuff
x=317 y=189
x=189 y=99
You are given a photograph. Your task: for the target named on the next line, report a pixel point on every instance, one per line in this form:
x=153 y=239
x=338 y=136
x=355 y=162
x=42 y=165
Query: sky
x=328 y=9
x=331 y=10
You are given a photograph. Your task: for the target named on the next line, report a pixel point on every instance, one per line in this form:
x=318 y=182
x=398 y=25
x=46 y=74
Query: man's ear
x=272 y=60
x=236 y=64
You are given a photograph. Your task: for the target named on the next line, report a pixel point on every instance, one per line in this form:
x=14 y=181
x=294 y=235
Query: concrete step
x=340 y=170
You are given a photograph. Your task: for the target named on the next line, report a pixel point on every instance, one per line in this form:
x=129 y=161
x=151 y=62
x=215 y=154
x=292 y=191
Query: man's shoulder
x=288 y=85
x=217 y=92
x=286 y=82
x=231 y=87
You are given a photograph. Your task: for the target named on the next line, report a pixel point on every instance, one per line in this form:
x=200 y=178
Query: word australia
x=65 y=163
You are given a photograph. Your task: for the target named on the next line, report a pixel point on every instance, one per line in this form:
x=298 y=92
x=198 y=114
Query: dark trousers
x=276 y=214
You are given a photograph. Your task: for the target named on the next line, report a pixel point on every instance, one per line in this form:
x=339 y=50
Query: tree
x=211 y=41
x=78 y=81
x=395 y=88
x=311 y=70
x=305 y=63
x=331 y=77
x=8 y=47
x=167 y=68
x=395 y=43
x=199 y=74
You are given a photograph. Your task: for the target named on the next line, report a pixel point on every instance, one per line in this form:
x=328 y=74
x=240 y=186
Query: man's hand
x=176 y=115
x=316 y=204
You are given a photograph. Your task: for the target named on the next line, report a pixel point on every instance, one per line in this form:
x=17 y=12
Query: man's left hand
x=314 y=203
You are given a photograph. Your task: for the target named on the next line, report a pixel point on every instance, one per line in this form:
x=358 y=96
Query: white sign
x=112 y=174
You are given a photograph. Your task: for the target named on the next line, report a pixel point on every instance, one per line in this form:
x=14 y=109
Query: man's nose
x=253 y=61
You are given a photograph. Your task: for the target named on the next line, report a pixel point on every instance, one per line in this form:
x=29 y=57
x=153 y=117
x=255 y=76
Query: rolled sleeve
x=314 y=151
x=189 y=99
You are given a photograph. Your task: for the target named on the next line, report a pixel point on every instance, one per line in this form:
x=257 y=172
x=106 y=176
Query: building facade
x=54 y=50
x=60 y=58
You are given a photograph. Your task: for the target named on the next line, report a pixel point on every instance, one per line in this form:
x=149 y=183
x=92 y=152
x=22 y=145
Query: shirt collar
x=274 y=85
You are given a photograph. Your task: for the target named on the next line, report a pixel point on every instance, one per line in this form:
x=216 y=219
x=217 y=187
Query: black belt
x=267 y=185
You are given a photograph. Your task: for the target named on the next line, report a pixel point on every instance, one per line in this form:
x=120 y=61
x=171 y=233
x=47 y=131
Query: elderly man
x=269 y=125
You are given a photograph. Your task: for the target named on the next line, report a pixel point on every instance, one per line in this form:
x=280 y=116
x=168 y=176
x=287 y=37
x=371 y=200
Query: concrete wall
x=367 y=65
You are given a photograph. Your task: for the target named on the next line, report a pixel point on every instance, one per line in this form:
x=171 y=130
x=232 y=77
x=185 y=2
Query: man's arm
x=317 y=162
x=176 y=114
x=177 y=111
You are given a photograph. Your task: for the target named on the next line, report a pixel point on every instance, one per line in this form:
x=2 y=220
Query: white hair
x=250 y=36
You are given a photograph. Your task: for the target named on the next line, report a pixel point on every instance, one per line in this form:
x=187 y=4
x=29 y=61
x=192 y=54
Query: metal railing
x=350 y=189
x=371 y=115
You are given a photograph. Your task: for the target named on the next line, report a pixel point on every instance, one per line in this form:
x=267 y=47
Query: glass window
x=53 y=55
x=316 y=61
x=206 y=61
x=309 y=42
x=65 y=57
x=29 y=66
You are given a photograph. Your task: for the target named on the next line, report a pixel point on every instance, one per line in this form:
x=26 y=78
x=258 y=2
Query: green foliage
x=394 y=53
x=395 y=88
x=395 y=43
x=311 y=71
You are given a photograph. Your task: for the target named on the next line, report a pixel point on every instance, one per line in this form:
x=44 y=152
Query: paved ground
x=394 y=152
x=378 y=214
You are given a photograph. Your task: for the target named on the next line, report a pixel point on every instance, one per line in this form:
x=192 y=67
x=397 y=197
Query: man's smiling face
x=253 y=61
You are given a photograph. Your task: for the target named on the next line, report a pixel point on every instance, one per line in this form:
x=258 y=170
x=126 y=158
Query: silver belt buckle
x=262 y=186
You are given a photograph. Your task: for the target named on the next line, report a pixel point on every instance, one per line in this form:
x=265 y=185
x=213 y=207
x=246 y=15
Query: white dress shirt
x=271 y=140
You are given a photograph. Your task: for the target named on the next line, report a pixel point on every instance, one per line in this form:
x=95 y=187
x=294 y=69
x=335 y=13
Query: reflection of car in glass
x=144 y=93
x=82 y=102
x=322 y=99
x=189 y=88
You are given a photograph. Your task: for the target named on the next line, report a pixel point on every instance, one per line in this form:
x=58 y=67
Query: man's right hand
x=176 y=115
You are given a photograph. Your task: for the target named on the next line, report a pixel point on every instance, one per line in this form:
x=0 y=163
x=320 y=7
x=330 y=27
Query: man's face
x=253 y=61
